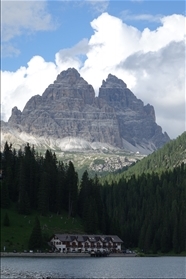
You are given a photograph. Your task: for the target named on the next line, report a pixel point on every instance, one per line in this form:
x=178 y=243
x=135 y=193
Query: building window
x=73 y=244
x=80 y=244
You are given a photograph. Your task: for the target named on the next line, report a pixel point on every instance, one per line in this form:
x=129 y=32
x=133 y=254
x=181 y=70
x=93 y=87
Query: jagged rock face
x=69 y=108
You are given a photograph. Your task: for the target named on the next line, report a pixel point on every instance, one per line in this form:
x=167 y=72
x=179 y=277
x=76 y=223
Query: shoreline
x=58 y=255
x=78 y=255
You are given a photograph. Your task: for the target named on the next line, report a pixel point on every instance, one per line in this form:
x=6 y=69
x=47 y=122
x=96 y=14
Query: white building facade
x=65 y=243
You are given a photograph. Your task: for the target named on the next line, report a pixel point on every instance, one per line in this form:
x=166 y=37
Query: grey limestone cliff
x=69 y=108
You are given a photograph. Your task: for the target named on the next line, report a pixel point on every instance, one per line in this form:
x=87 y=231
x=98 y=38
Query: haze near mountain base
x=68 y=116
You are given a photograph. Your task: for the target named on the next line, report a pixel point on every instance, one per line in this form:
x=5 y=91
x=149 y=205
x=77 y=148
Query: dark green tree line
x=150 y=210
x=147 y=210
x=36 y=182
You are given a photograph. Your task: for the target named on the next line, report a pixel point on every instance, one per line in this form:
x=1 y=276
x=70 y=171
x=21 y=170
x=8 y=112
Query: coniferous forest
x=147 y=211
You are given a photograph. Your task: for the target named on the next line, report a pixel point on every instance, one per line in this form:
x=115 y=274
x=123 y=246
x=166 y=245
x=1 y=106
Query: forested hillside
x=171 y=155
x=147 y=211
x=43 y=184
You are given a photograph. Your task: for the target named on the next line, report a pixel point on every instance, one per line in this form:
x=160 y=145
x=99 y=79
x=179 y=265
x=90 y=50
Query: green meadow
x=17 y=234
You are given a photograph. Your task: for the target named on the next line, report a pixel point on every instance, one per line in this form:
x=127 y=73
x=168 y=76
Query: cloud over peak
x=152 y=63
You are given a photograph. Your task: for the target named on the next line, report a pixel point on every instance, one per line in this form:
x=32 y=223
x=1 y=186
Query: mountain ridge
x=68 y=108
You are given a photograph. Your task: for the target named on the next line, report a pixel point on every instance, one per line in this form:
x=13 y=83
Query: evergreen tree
x=83 y=193
x=147 y=210
x=50 y=167
x=72 y=189
x=43 y=194
x=24 y=201
x=31 y=172
x=5 y=201
x=98 y=204
x=36 y=239
x=6 y=221
x=165 y=241
x=90 y=216
x=8 y=167
x=60 y=188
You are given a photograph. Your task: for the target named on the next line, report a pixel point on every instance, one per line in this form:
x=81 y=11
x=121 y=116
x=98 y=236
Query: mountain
x=68 y=116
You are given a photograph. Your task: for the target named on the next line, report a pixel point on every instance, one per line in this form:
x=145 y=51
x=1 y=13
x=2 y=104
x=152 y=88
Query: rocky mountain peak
x=116 y=93
x=68 y=72
x=68 y=108
x=70 y=77
x=150 y=111
x=69 y=84
x=15 y=111
x=16 y=116
x=113 y=82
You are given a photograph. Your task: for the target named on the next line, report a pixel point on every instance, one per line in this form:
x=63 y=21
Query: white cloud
x=152 y=63
x=9 y=50
x=94 y=6
x=139 y=1
x=148 y=61
x=127 y=15
x=112 y=42
x=18 y=87
x=72 y=57
x=160 y=80
x=172 y=29
x=24 y=17
x=98 y=6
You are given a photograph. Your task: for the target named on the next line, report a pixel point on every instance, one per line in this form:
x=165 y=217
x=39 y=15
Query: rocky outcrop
x=69 y=108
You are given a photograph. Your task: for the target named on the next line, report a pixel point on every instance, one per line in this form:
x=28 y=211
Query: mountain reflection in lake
x=108 y=267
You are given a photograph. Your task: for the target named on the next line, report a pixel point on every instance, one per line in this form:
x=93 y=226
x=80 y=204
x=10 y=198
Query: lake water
x=106 y=267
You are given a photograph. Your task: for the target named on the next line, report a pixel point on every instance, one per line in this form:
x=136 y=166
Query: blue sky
x=71 y=23
x=44 y=37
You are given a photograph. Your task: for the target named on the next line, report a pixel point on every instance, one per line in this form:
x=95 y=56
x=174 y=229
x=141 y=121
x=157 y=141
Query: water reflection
x=39 y=268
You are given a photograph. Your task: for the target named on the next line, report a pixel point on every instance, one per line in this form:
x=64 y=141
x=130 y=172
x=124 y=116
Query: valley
x=100 y=163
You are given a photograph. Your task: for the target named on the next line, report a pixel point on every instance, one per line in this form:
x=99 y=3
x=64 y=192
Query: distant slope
x=169 y=156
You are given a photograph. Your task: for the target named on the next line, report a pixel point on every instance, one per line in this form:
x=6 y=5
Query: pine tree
x=31 y=171
x=36 y=239
x=83 y=193
x=24 y=201
x=5 y=201
x=60 y=188
x=6 y=221
x=43 y=194
x=98 y=204
x=50 y=167
x=165 y=242
x=90 y=217
x=72 y=189
x=8 y=166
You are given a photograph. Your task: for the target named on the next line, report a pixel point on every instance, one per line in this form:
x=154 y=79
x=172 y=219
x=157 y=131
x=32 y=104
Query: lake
x=105 y=267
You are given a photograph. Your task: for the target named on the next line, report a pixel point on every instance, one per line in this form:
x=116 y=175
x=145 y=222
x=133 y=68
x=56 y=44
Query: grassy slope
x=16 y=236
